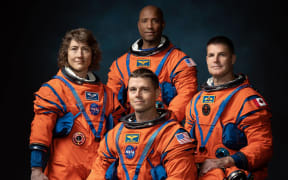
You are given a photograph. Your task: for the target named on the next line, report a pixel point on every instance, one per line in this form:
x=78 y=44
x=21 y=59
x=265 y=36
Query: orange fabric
x=215 y=174
x=67 y=159
x=179 y=161
x=185 y=81
x=257 y=126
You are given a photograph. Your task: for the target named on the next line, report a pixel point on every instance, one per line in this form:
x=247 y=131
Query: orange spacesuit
x=157 y=148
x=175 y=70
x=231 y=120
x=71 y=116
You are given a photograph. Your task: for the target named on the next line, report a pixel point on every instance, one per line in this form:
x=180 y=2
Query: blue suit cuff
x=240 y=160
x=37 y=158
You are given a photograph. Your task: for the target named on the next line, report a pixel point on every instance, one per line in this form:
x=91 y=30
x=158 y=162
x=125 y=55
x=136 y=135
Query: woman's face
x=79 y=57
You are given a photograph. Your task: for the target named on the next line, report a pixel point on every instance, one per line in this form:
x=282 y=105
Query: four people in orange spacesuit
x=228 y=131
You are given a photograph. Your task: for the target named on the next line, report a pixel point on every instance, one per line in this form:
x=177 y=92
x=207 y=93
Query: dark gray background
x=34 y=30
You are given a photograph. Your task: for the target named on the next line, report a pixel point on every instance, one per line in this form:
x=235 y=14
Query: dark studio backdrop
x=257 y=30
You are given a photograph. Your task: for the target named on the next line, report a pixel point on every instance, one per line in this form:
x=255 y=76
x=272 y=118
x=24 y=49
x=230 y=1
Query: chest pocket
x=233 y=137
x=64 y=124
x=122 y=94
x=168 y=92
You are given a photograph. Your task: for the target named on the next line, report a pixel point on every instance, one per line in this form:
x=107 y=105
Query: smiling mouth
x=79 y=61
x=216 y=67
x=138 y=102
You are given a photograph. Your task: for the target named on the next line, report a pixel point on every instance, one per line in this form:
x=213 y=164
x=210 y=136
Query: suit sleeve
x=104 y=159
x=190 y=121
x=115 y=80
x=114 y=106
x=179 y=160
x=257 y=127
x=185 y=81
x=119 y=110
x=47 y=108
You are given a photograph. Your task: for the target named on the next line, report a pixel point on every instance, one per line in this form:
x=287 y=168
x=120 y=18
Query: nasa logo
x=94 y=109
x=130 y=152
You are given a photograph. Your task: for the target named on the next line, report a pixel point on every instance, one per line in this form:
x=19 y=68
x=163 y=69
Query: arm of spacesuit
x=190 y=121
x=114 y=108
x=104 y=159
x=116 y=83
x=185 y=81
x=99 y=169
x=179 y=160
x=258 y=152
x=47 y=108
x=114 y=79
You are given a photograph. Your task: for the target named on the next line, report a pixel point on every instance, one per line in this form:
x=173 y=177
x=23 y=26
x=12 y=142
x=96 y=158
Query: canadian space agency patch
x=206 y=109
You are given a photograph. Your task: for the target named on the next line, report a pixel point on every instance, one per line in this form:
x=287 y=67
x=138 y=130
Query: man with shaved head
x=175 y=69
x=151 y=32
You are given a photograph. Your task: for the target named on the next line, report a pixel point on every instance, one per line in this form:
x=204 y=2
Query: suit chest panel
x=132 y=143
x=92 y=98
x=208 y=105
x=149 y=62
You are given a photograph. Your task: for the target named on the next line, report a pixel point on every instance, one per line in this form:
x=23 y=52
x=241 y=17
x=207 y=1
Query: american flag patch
x=183 y=138
x=190 y=62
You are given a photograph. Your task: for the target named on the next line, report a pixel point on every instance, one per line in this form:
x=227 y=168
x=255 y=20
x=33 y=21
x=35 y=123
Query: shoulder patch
x=259 y=102
x=183 y=138
x=190 y=62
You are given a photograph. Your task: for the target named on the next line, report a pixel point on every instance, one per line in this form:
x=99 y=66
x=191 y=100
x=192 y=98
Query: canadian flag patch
x=259 y=102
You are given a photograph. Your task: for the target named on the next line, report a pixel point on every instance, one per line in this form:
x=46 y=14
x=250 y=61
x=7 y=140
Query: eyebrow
x=221 y=52
x=141 y=87
x=85 y=46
